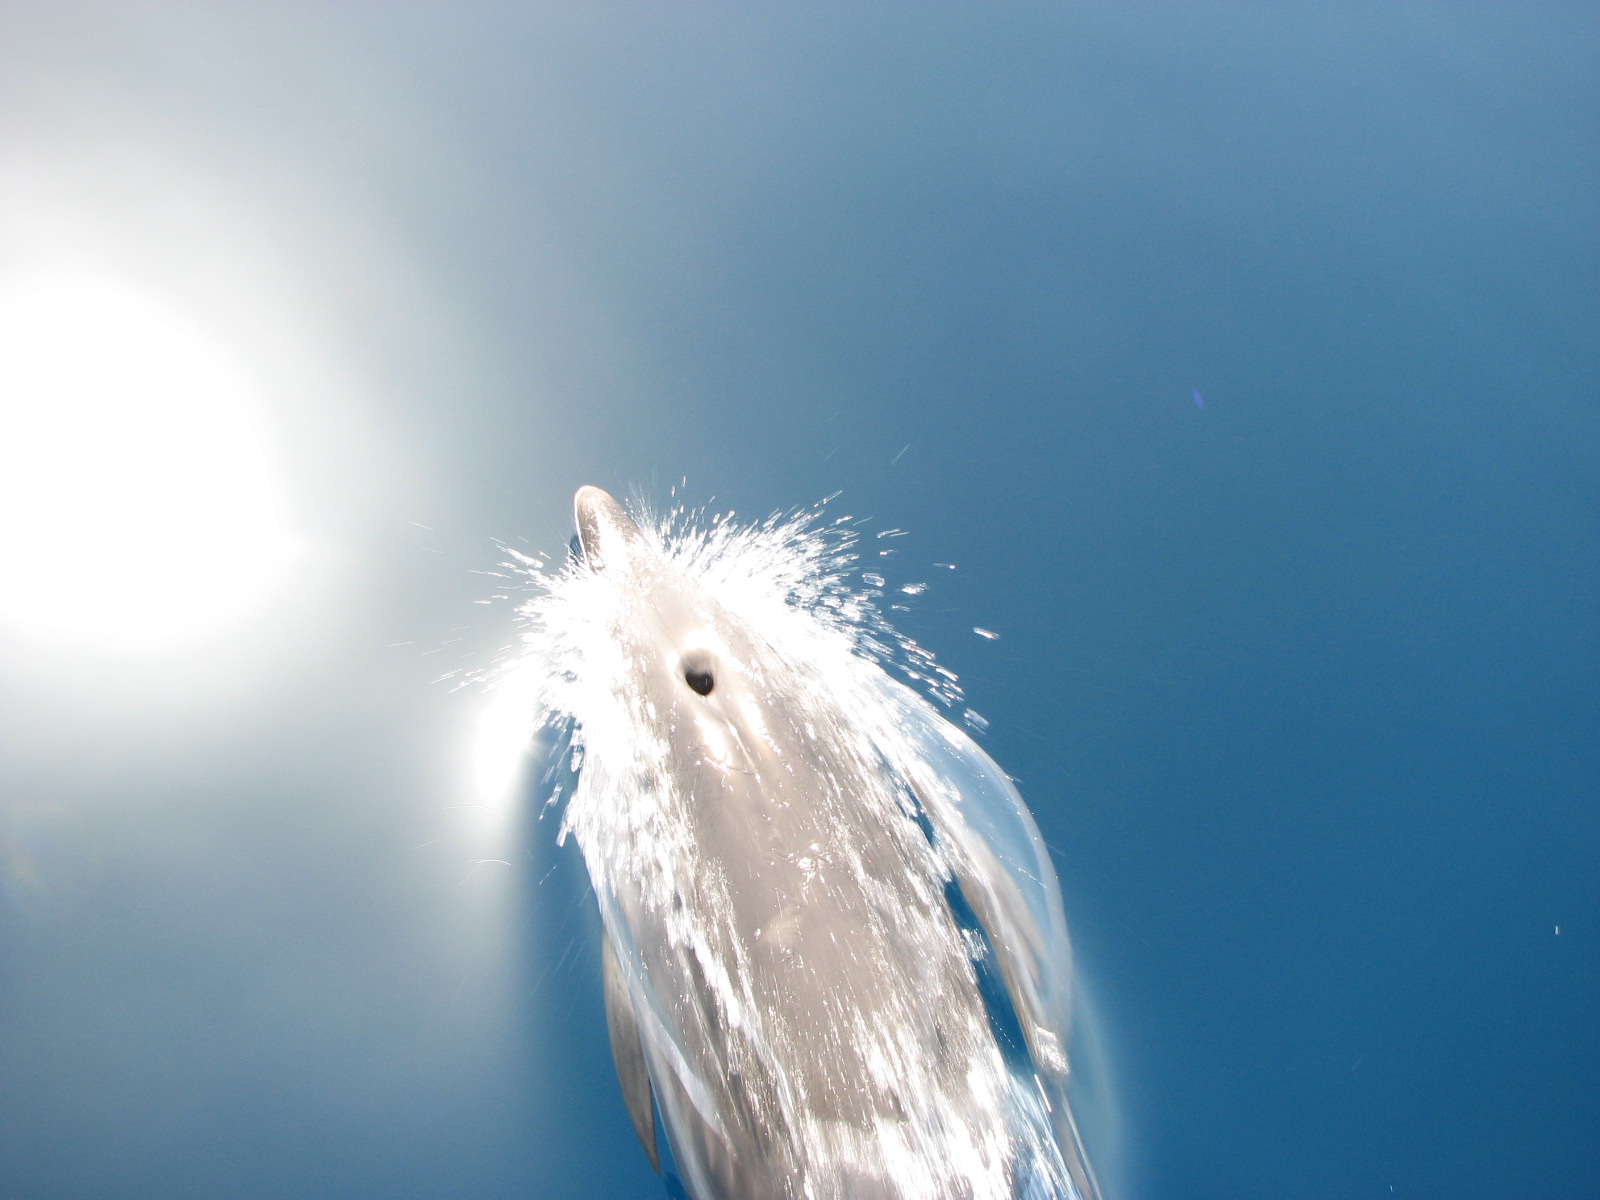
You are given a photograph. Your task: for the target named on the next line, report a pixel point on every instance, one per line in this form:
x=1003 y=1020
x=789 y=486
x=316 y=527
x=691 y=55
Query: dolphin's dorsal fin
x=627 y=1053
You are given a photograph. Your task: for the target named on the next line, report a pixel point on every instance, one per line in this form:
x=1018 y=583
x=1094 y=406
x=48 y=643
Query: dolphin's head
x=667 y=626
x=685 y=661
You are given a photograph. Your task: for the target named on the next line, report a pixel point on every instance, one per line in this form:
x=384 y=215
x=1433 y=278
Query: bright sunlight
x=139 y=504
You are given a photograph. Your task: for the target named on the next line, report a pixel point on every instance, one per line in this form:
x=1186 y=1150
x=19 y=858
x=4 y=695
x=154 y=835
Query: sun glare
x=505 y=729
x=139 y=505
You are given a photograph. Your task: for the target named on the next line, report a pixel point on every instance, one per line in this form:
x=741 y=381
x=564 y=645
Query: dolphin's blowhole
x=697 y=672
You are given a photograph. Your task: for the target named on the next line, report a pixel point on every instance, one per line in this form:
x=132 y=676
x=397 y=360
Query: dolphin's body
x=834 y=951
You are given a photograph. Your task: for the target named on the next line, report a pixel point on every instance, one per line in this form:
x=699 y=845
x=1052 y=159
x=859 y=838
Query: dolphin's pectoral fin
x=628 y=1054
x=1002 y=914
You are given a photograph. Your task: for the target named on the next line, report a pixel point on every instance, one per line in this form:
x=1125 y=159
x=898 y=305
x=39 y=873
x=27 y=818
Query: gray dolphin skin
x=834 y=960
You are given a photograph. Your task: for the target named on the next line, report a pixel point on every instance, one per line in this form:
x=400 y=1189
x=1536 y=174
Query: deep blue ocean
x=1244 y=359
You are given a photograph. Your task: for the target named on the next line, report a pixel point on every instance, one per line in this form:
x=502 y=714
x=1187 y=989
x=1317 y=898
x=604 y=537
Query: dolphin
x=834 y=958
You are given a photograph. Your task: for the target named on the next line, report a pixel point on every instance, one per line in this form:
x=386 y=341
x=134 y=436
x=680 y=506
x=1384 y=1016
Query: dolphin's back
x=808 y=992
